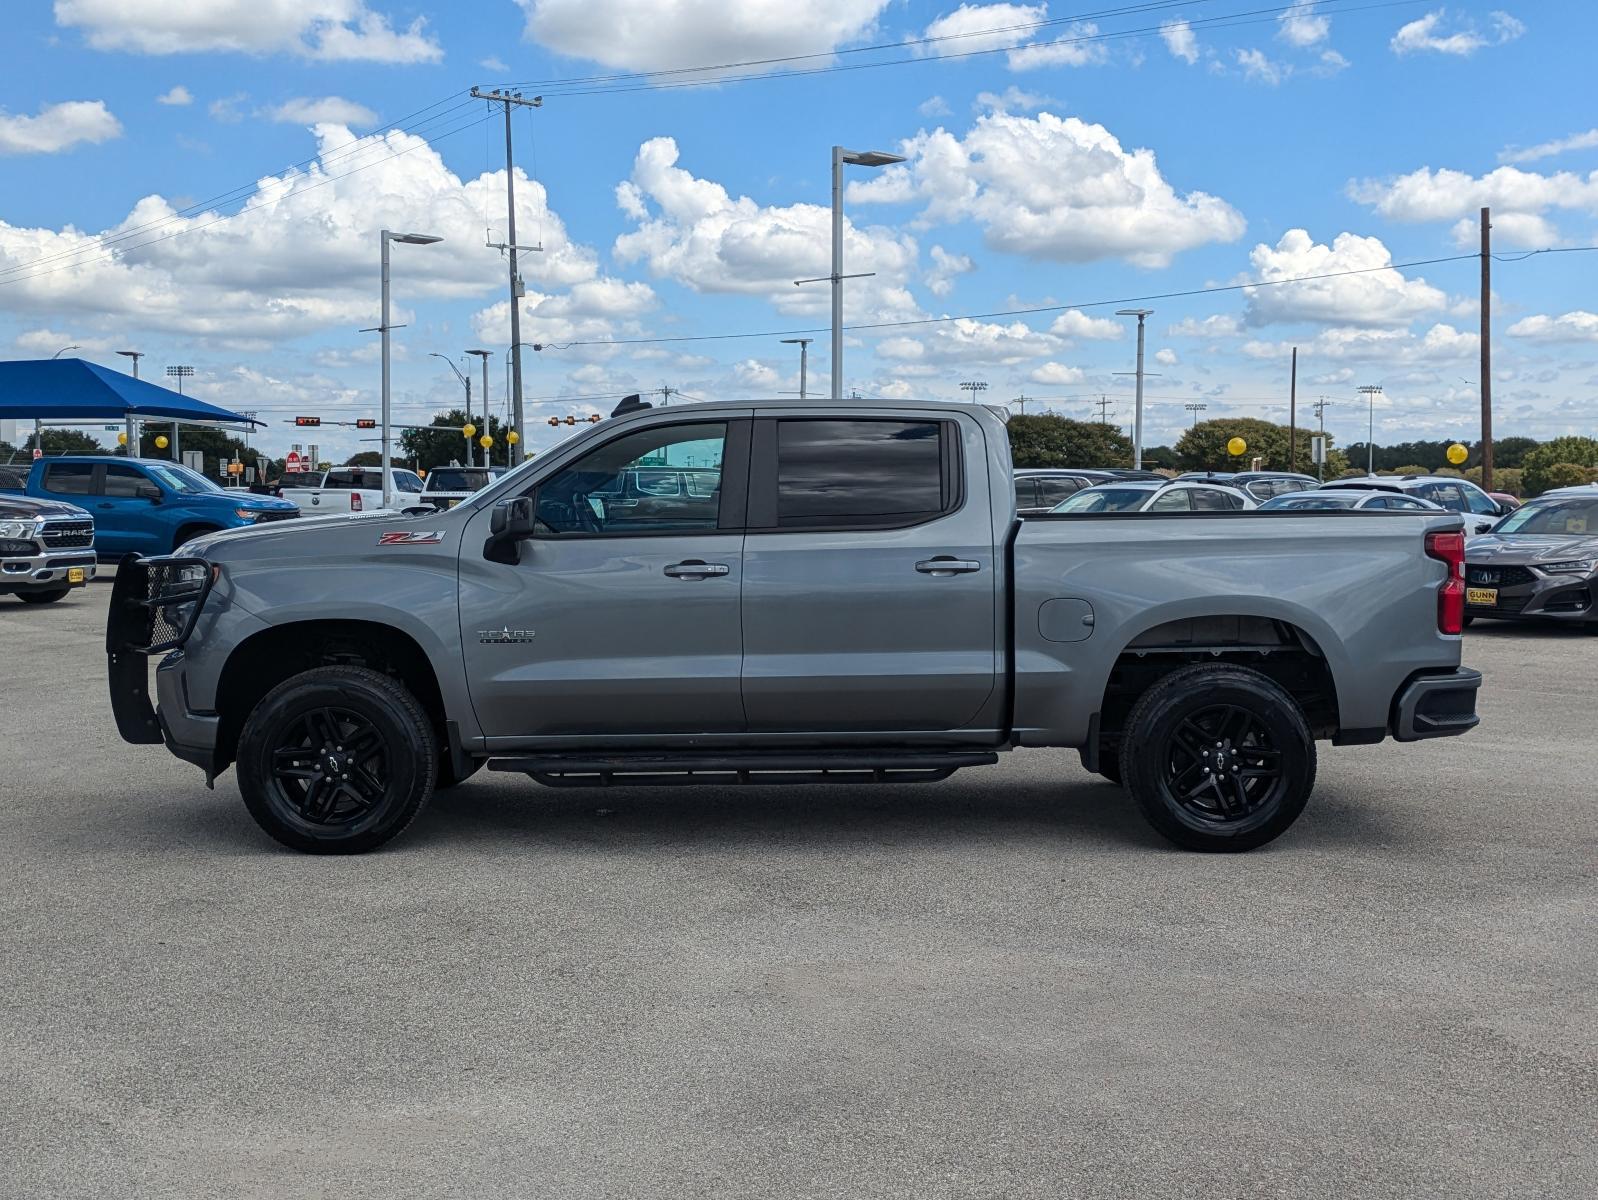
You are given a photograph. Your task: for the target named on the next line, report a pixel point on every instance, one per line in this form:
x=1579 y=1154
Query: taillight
x=355 y=503
x=1449 y=548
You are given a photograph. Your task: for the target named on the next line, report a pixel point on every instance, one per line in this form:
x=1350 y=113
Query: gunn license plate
x=74 y=574
x=1486 y=597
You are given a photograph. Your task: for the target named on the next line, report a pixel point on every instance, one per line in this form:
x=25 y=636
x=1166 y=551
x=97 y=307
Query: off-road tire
x=1269 y=771
x=397 y=776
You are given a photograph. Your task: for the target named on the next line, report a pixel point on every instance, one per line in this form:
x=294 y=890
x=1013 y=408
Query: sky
x=205 y=182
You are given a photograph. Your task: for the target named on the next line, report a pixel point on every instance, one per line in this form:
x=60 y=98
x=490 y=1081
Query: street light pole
x=133 y=429
x=1142 y=315
x=1370 y=392
x=410 y=239
x=485 y=355
x=466 y=382
x=180 y=373
x=804 y=357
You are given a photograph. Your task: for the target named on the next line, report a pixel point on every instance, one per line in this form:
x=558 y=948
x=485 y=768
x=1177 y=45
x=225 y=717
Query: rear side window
x=1052 y=491
x=873 y=473
x=1026 y=494
x=68 y=479
x=1175 y=500
x=1210 y=500
x=1449 y=495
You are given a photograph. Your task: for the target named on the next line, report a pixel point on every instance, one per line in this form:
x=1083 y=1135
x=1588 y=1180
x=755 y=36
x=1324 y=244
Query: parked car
x=1479 y=509
x=445 y=487
x=1506 y=502
x=1140 y=495
x=351 y=489
x=1538 y=563
x=1039 y=489
x=147 y=506
x=46 y=549
x=855 y=603
x=1348 y=498
x=1262 y=485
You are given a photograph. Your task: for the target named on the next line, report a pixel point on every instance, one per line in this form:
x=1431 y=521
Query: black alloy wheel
x=337 y=760
x=1218 y=757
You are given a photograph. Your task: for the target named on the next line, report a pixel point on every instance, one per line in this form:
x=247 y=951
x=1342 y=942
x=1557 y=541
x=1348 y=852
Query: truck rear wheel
x=1218 y=758
x=337 y=760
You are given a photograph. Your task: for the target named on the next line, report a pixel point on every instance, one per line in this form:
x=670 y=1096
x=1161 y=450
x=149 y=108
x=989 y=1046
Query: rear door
x=869 y=576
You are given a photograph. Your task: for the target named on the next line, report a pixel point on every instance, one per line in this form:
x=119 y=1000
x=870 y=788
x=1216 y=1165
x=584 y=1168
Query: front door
x=870 y=580
x=130 y=521
x=622 y=616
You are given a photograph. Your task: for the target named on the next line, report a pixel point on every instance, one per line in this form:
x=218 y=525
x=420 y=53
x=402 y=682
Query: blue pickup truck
x=140 y=505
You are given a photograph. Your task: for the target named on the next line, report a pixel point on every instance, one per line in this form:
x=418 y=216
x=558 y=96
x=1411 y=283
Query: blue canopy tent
x=71 y=391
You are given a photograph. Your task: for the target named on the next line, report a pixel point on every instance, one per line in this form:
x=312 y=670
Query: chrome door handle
x=945 y=564
x=694 y=569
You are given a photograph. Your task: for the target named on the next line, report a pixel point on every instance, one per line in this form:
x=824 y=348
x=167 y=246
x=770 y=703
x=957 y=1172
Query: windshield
x=457 y=479
x=1345 y=501
x=1105 y=499
x=181 y=479
x=1577 y=517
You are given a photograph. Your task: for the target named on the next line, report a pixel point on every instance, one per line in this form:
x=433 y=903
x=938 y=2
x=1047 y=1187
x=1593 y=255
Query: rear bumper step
x=748 y=767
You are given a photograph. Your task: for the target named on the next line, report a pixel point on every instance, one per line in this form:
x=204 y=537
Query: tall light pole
x=804 y=359
x=1195 y=409
x=179 y=373
x=132 y=427
x=485 y=355
x=466 y=381
x=1142 y=315
x=384 y=238
x=38 y=425
x=1321 y=406
x=1370 y=391
x=975 y=387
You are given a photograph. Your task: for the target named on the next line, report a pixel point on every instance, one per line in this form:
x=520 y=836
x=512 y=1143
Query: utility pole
x=1021 y=400
x=804 y=359
x=132 y=430
x=512 y=100
x=1370 y=391
x=1486 y=351
x=1103 y=406
x=666 y=393
x=1320 y=415
x=1292 y=414
x=1142 y=314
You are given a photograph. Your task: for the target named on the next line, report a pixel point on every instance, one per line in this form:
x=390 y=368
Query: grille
x=1497 y=576
x=68 y=535
x=276 y=516
x=1511 y=604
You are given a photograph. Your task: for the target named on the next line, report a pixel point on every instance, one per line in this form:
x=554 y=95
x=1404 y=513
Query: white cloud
x=968 y=342
x=326 y=110
x=1518 y=199
x=1075 y=325
x=1053 y=188
x=1576 y=141
x=1431 y=33
x=1440 y=343
x=226 y=108
x=1180 y=41
x=492 y=63
x=177 y=95
x=1222 y=325
x=1375 y=297
x=653 y=35
x=297 y=259
x=1056 y=374
x=58 y=127
x=1257 y=67
x=1303 y=26
x=1331 y=63
x=1012 y=98
x=756 y=376
x=934 y=106
x=592 y=308
x=330 y=30
x=1578 y=326
x=945 y=268
x=1166 y=358
x=1075 y=47
x=982 y=27
x=693 y=231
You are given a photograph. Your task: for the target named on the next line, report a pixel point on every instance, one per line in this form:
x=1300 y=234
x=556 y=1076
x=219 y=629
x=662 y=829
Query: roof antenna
x=630 y=404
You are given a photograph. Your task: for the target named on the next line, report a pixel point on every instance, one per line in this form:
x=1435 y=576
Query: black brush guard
x=147 y=617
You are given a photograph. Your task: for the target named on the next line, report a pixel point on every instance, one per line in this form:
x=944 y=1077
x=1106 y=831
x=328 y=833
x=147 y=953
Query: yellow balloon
x=1236 y=446
x=485 y=441
x=513 y=437
x=469 y=429
x=1457 y=454
x=161 y=443
x=122 y=439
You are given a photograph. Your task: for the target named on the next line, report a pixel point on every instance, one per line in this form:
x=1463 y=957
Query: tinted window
x=123 y=481
x=68 y=479
x=1105 y=499
x=1314 y=502
x=1052 y=491
x=1449 y=495
x=599 y=494
x=406 y=481
x=858 y=472
x=1026 y=493
x=1210 y=500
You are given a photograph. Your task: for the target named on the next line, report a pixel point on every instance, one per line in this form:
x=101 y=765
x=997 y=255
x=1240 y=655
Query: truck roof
x=862 y=403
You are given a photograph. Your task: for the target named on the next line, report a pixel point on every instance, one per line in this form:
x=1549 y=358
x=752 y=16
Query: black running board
x=743 y=767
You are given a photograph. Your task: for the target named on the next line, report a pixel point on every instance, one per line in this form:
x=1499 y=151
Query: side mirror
x=148 y=491
x=510 y=524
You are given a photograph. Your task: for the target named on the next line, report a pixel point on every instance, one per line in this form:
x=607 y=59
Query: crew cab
x=145 y=506
x=854 y=602
x=46 y=549
x=351 y=489
x=445 y=487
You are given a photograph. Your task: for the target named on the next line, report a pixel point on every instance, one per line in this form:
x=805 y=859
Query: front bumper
x=1544 y=597
x=1436 y=704
x=47 y=571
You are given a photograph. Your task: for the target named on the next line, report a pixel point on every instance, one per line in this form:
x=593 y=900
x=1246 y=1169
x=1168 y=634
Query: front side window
x=1175 y=500
x=68 y=479
x=407 y=481
x=859 y=472
x=1104 y=499
x=622 y=487
x=123 y=481
x=1480 y=502
x=181 y=480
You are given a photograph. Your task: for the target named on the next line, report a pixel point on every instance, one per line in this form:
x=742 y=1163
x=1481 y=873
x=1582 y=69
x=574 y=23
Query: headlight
x=23 y=530
x=247 y=514
x=1575 y=566
x=192 y=575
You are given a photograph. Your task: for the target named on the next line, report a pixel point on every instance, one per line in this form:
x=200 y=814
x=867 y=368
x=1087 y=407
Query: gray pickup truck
x=855 y=602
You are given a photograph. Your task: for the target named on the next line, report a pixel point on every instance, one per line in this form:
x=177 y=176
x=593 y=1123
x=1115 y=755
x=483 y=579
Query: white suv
x=1481 y=511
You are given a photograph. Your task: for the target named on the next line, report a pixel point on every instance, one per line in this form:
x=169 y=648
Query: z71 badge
x=430 y=538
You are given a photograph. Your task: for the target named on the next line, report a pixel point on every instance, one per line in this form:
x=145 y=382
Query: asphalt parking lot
x=999 y=986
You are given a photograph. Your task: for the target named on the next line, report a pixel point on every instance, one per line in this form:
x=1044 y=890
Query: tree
x=216 y=445
x=1157 y=458
x=366 y=458
x=1563 y=474
x=1203 y=447
x=1507 y=452
x=1505 y=479
x=1565 y=451
x=1049 y=441
x=430 y=448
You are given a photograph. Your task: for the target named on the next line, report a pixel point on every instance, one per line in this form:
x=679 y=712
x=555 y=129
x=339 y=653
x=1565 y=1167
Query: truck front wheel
x=1218 y=757
x=337 y=760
